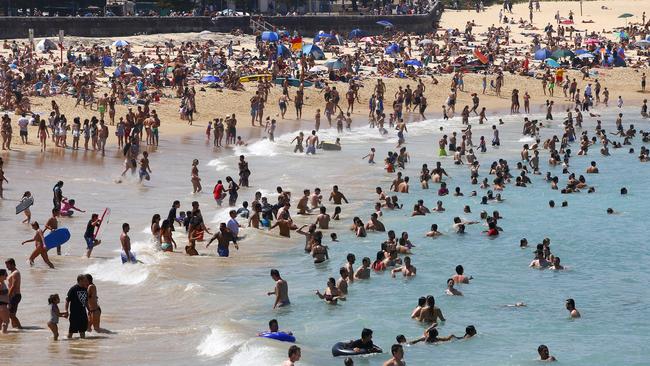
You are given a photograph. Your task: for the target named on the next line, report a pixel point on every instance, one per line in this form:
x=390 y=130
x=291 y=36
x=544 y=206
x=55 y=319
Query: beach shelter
x=425 y=42
x=120 y=43
x=322 y=36
x=561 y=53
x=413 y=63
x=357 y=33
x=318 y=68
x=551 y=63
x=296 y=44
x=392 y=48
x=385 y=23
x=542 y=54
x=210 y=79
x=45 y=45
x=315 y=51
x=283 y=51
x=270 y=36
x=129 y=68
x=107 y=61
x=642 y=43
x=334 y=64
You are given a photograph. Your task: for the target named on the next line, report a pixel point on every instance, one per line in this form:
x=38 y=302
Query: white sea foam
x=112 y=270
x=251 y=354
x=217 y=343
x=217 y=164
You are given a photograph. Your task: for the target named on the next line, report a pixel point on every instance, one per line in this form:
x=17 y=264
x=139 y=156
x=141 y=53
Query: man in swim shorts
x=312 y=142
x=281 y=290
x=89 y=235
x=223 y=237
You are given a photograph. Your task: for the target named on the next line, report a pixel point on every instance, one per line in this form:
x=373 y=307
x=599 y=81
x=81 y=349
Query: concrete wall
x=17 y=27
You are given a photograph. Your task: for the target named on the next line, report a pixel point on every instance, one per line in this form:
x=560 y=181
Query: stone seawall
x=17 y=27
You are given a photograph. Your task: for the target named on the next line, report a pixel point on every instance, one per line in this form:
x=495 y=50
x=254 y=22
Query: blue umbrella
x=13 y=66
x=393 y=48
x=551 y=63
x=357 y=33
x=315 y=51
x=270 y=36
x=129 y=68
x=542 y=54
x=385 y=23
x=413 y=63
x=580 y=52
x=210 y=79
x=586 y=55
x=120 y=43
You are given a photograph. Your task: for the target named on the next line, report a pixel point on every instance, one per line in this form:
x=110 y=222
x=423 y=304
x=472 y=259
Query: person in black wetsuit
x=75 y=304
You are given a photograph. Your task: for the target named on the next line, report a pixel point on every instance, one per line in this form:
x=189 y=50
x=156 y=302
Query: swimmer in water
x=459 y=277
x=433 y=232
x=451 y=291
x=571 y=307
x=406 y=269
x=544 y=355
x=332 y=294
x=431 y=336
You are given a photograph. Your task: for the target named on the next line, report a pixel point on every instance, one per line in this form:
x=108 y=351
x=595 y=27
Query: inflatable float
x=340 y=349
x=279 y=336
x=330 y=146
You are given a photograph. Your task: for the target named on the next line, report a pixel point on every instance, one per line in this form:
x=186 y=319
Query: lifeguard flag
x=296 y=44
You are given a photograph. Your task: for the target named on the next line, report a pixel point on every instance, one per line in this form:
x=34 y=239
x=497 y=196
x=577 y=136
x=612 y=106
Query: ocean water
x=174 y=309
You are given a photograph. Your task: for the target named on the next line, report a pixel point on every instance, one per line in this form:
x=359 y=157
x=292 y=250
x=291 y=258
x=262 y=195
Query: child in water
x=68 y=207
x=55 y=313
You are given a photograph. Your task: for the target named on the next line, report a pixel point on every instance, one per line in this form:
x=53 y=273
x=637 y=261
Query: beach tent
x=334 y=64
x=551 y=63
x=45 y=45
x=315 y=51
x=270 y=36
x=129 y=68
x=120 y=43
x=318 y=68
x=413 y=63
x=357 y=33
x=322 y=36
x=210 y=79
x=283 y=51
x=385 y=23
x=542 y=54
x=561 y=53
x=392 y=48
x=425 y=42
x=107 y=61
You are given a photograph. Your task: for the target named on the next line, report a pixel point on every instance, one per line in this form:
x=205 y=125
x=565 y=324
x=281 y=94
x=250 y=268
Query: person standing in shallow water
x=75 y=305
x=194 y=177
x=281 y=290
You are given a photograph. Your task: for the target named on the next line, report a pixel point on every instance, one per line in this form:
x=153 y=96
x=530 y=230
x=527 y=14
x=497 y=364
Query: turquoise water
x=207 y=310
x=604 y=255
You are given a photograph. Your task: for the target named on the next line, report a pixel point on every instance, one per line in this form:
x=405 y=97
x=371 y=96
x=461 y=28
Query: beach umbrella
x=120 y=43
x=425 y=42
x=413 y=63
x=150 y=66
x=385 y=23
x=13 y=66
x=392 y=48
x=210 y=79
x=129 y=68
x=334 y=64
x=562 y=53
x=45 y=45
x=642 y=43
x=542 y=54
x=580 y=52
x=567 y=21
x=318 y=68
x=551 y=63
x=626 y=15
x=270 y=36
x=315 y=51
x=357 y=33
x=367 y=40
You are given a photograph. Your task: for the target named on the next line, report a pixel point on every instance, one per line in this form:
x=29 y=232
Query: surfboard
x=56 y=238
x=24 y=204
x=480 y=56
x=103 y=219
x=248 y=78
x=293 y=82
